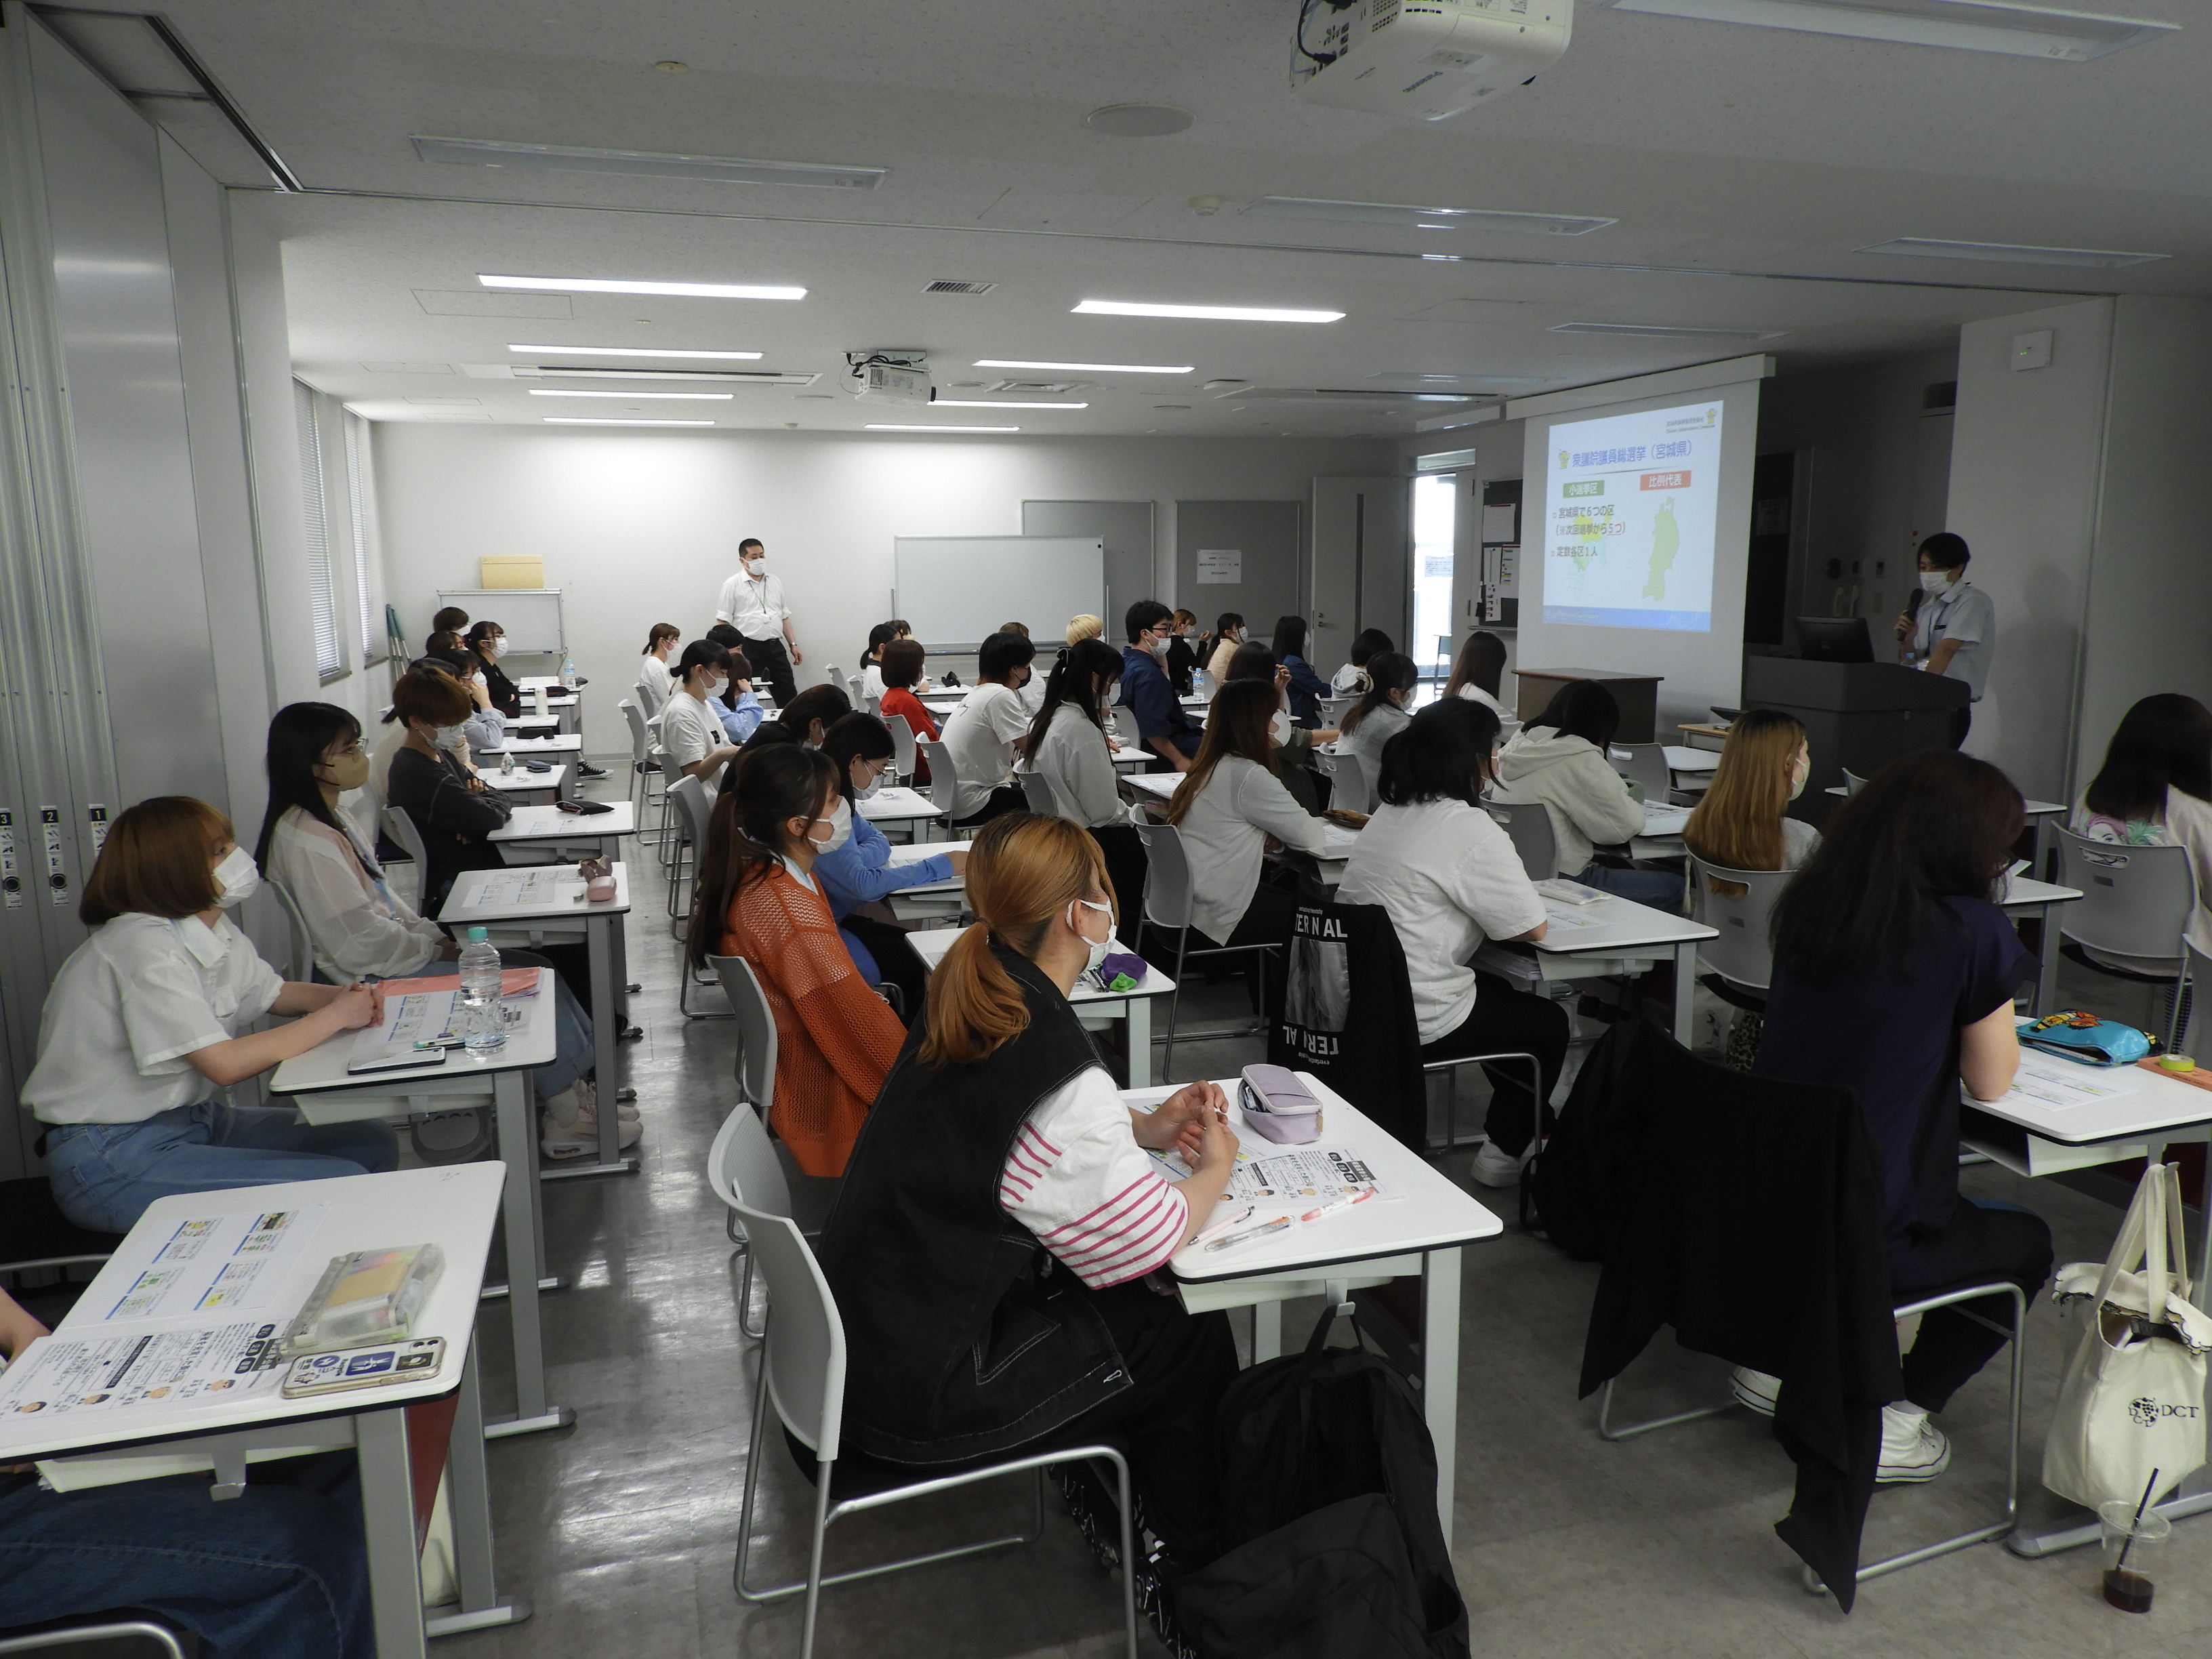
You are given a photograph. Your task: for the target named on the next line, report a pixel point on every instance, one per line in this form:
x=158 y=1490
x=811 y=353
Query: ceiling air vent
x=1035 y=388
x=944 y=285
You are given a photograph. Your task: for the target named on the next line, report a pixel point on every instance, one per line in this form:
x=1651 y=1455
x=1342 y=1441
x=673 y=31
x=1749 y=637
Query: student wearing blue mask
x=150 y=1021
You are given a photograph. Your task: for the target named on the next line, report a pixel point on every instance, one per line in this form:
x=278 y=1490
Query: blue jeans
x=1659 y=888
x=105 y=1175
x=572 y=1038
x=278 y=1572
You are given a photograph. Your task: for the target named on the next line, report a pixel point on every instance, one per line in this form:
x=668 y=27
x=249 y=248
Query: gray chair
x=943 y=773
x=1125 y=726
x=1528 y=825
x=1349 y=787
x=903 y=749
x=148 y=1639
x=742 y=1169
x=2136 y=901
x=1741 y=955
x=1852 y=782
x=408 y=840
x=1644 y=764
x=856 y=688
x=301 y=943
x=802 y=1373
x=1168 y=901
x=1334 y=709
x=645 y=766
x=1039 y=791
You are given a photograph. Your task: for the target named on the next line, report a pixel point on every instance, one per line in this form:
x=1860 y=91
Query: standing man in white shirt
x=1955 y=634
x=753 y=603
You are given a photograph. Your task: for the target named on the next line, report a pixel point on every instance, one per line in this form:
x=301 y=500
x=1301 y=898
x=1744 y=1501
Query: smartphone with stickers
x=365 y=1368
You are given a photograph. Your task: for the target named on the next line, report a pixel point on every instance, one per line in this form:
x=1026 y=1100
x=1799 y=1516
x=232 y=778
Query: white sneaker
x=1494 y=1168
x=569 y=1125
x=1912 y=1448
x=1754 y=1390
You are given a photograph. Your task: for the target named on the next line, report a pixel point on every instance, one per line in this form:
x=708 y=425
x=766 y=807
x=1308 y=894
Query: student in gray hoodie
x=1560 y=759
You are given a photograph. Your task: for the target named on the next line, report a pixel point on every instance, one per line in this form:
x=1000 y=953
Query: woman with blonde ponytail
x=1000 y=1212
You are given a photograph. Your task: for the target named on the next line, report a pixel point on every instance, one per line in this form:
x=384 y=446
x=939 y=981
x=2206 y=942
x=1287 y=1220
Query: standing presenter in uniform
x=753 y=603
x=1954 y=631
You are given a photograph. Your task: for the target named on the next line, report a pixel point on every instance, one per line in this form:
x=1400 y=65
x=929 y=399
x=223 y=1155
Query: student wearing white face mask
x=753 y=602
x=487 y=642
x=1381 y=714
x=691 y=732
x=452 y=810
x=1955 y=632
x=149 y=1021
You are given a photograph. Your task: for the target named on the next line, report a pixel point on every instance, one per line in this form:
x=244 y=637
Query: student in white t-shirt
x=1478 y=671
x=654 y=679
x=691 y=733
x=1381 y=714
x=1450 y=879
x=987 y=733
x=2155 y=789
x=150 y=1021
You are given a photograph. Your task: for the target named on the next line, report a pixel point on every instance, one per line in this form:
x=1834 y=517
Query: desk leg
x=2046 y=972
x=387 y=1513
x=1685 y=994
x=1140 y=1010
x=1266 y=1331
x=600 y=934
x=468 y=1495
x=1440 y=1370
x=522 y=1224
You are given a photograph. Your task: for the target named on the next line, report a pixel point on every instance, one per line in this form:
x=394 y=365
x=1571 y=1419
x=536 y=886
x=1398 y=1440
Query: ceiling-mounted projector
x=889 y=375
x=1426 y=60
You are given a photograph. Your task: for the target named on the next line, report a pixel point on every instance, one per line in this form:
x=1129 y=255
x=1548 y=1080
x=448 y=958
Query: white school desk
x=1621 y=937
x=603 y=831
x=522 y=780
x=1130 y=760
x=2033 y=811
x=1420 y=1232
x=600 y=926
x=1662 y=833
x=931 y=899
x=895 y=806
x=2045 y=1139
x=1133 y=1007
x=452 y=1207
x=566 y=743
x=325 y=1092
x=1160 y=785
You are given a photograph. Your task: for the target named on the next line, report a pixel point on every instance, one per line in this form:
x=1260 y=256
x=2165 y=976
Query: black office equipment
x=1834 y=639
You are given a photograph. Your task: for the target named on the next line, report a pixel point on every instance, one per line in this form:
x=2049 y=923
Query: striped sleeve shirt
x=1093 y=1197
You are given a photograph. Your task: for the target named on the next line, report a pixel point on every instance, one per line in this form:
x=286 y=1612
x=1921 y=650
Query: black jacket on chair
x=1756 y=1231
x=1347 y=1013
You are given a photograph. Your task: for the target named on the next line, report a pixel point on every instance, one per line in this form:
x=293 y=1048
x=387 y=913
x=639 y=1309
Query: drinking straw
x=2141 y=1503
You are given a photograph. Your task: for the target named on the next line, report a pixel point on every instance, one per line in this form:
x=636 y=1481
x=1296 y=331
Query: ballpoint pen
x=1279 y=1223
x=1223 y=1225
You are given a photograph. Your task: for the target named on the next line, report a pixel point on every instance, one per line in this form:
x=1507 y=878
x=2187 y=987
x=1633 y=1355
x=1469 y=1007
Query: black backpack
x=1328 y=1519
x=1573 y=1190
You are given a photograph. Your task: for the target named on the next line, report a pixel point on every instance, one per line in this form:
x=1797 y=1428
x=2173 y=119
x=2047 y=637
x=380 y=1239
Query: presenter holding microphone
x=1953 y=632
x=753 y=603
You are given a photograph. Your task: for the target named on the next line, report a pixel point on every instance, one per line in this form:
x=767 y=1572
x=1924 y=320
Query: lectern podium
x=1860 y=715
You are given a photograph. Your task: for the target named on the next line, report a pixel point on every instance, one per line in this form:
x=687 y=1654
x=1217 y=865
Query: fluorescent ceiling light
x=581 y=420
x=727 y=376
x=885 y=426
x=992 y=403
x=629 y=285
x=1204 y=313
x=2009 y=253
x=632 y=351
x=693 y=396
x=1665 y=331
x=2069 y=37
x=1085 y=368
x=1423 y=218
x=651 y=164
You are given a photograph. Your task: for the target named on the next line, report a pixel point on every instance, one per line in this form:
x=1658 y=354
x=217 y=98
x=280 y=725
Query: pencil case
x=2087 y=1040
x=1277 y=1105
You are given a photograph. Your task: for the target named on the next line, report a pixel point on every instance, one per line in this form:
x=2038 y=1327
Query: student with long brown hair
x=1739 y=823
x=1478 y=670
x=1228 y=806
x=151 y=1019
x=758 y=899
x=990 y=1247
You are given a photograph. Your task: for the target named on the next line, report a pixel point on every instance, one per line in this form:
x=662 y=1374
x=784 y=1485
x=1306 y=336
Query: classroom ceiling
x=1744 y=166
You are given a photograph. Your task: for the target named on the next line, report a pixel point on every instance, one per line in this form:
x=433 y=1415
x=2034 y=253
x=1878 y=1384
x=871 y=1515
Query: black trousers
x=772 y=663
x=896 y=958
x=1504 y=1020
x=1979 y=1247
x=1962 y=721
x=1125 y=869
x=1006 y=797
x=1181 y=1363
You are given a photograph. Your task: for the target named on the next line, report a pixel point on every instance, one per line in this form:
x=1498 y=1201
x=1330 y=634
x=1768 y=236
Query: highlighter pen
x=1278 y=1224
x=1336 y=1204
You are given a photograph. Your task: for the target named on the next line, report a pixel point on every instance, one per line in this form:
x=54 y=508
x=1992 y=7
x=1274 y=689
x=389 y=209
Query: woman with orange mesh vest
x=836 y=1038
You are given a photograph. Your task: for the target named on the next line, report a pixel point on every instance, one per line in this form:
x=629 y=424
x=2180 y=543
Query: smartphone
x=365 y=1368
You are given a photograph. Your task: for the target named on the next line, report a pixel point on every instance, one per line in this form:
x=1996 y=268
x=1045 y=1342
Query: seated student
x=1477 y=671
x=758 y=899
x=1306 y=688
x=1352 y=679
x=806 y=720
x=1068 y=744
x=1228 y=635
x=1894 y=977
x=150 y=1019
x=691 y=732
x=277 y=1572
x=488 y=641
x=485 y=729
x=1381 y=713
x=1449 y=877
x=739 y=705
x=1295 y=762
x=1739 y=823
x=1162 y=726
x=654 y=680
x=1227 y=809
x=902 y=670
x=1178 y=661
x=453 y=808
x=987 y=733
x=1032 y=690
x=359 y=928
x=1559 y=758
x=872 y=659
x=1085 y=626
x=450 y=620
x=2155 y=789
x=1001 y=1205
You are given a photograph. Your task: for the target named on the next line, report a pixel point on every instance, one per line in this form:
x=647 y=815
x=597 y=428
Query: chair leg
x=745 y=1299
x=814 y=1564
x=1606 y=1431
x=755 y=1449
x=1128 y=1555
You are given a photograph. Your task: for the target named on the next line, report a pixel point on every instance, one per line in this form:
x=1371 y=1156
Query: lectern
x=1859 y=715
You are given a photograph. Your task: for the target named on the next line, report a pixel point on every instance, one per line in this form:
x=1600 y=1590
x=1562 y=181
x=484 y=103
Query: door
x=1126 y=527
x=1359 y=574
x=1241 y=556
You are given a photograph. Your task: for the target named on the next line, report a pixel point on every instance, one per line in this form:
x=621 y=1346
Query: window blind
x=329 y=660
x=368 y=567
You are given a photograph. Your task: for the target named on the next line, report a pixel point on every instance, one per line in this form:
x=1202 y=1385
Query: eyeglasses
x=357 y=747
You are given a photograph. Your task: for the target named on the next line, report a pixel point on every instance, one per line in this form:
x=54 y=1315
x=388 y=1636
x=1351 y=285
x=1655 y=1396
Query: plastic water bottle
x=483 y=1024
x=568 y=671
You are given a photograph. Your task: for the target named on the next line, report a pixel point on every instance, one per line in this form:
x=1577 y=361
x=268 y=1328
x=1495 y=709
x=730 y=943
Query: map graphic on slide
x=1629 y=520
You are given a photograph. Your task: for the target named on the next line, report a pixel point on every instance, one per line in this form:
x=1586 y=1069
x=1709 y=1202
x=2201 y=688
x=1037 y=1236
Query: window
x=367 y=565
x=322 y=589
x=1436 y=522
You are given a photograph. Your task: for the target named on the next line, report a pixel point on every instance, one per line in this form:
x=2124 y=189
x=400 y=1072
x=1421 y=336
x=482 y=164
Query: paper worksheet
x=1567 y=918
x=221 y=1262
x=2050 y=1081
x=1294 y=1175
x=527 y=885
x=128 y=1375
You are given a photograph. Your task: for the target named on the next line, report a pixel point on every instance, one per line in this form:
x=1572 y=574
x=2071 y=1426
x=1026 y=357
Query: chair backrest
x=1124 y=727
x=806 y=1356
x=742 y=1166
x=1529 y=827
x=690 y=797
x=1038 y=790
x=834 y=674
x=2200 y=983
x=1349 y=787
x=902 y=750
x=302 y=963
x=2135 y=899
x=856 y=688
x=756 y=1031
x=943 y=773
x=650 y=696
x=1743 y=954
x=1167 y=875
x=1644 y=764
x=1852 y=782
x=640 y=734
x=1334 y=709
x=93 y=1635
x=401 y=828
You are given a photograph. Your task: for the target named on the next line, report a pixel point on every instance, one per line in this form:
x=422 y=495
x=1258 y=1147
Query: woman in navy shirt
x=1894 y=976
x=1307 y=688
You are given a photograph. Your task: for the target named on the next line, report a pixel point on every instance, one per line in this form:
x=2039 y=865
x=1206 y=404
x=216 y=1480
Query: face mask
x=1158 y=647
x=498 y=647
x=235 y=877
x=1098 y=948
x=1934 y=581
x=862 y=791
x=349 y=771
x=1798 y=774
x=755 y=565
x=716 y=683
x=451 y=737
x=1279 y=729
x=839 y=824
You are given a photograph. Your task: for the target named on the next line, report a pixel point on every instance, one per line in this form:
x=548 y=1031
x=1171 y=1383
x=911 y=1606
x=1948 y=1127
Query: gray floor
x=620 y=1531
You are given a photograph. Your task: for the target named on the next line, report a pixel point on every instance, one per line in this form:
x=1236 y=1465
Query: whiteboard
x=531 y=615
x=954 y=590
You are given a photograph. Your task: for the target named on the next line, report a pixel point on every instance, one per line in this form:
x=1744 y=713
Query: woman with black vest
x=999 y=1215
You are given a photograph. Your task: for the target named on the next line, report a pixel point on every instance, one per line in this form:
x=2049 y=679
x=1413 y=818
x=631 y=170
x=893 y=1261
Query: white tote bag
x=2133 y=1397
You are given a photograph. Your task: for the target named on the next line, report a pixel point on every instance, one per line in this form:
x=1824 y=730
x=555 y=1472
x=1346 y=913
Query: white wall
x=638 y=527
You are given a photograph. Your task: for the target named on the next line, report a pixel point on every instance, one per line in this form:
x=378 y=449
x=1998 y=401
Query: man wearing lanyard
x=1955 y=634
x=753 y=603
